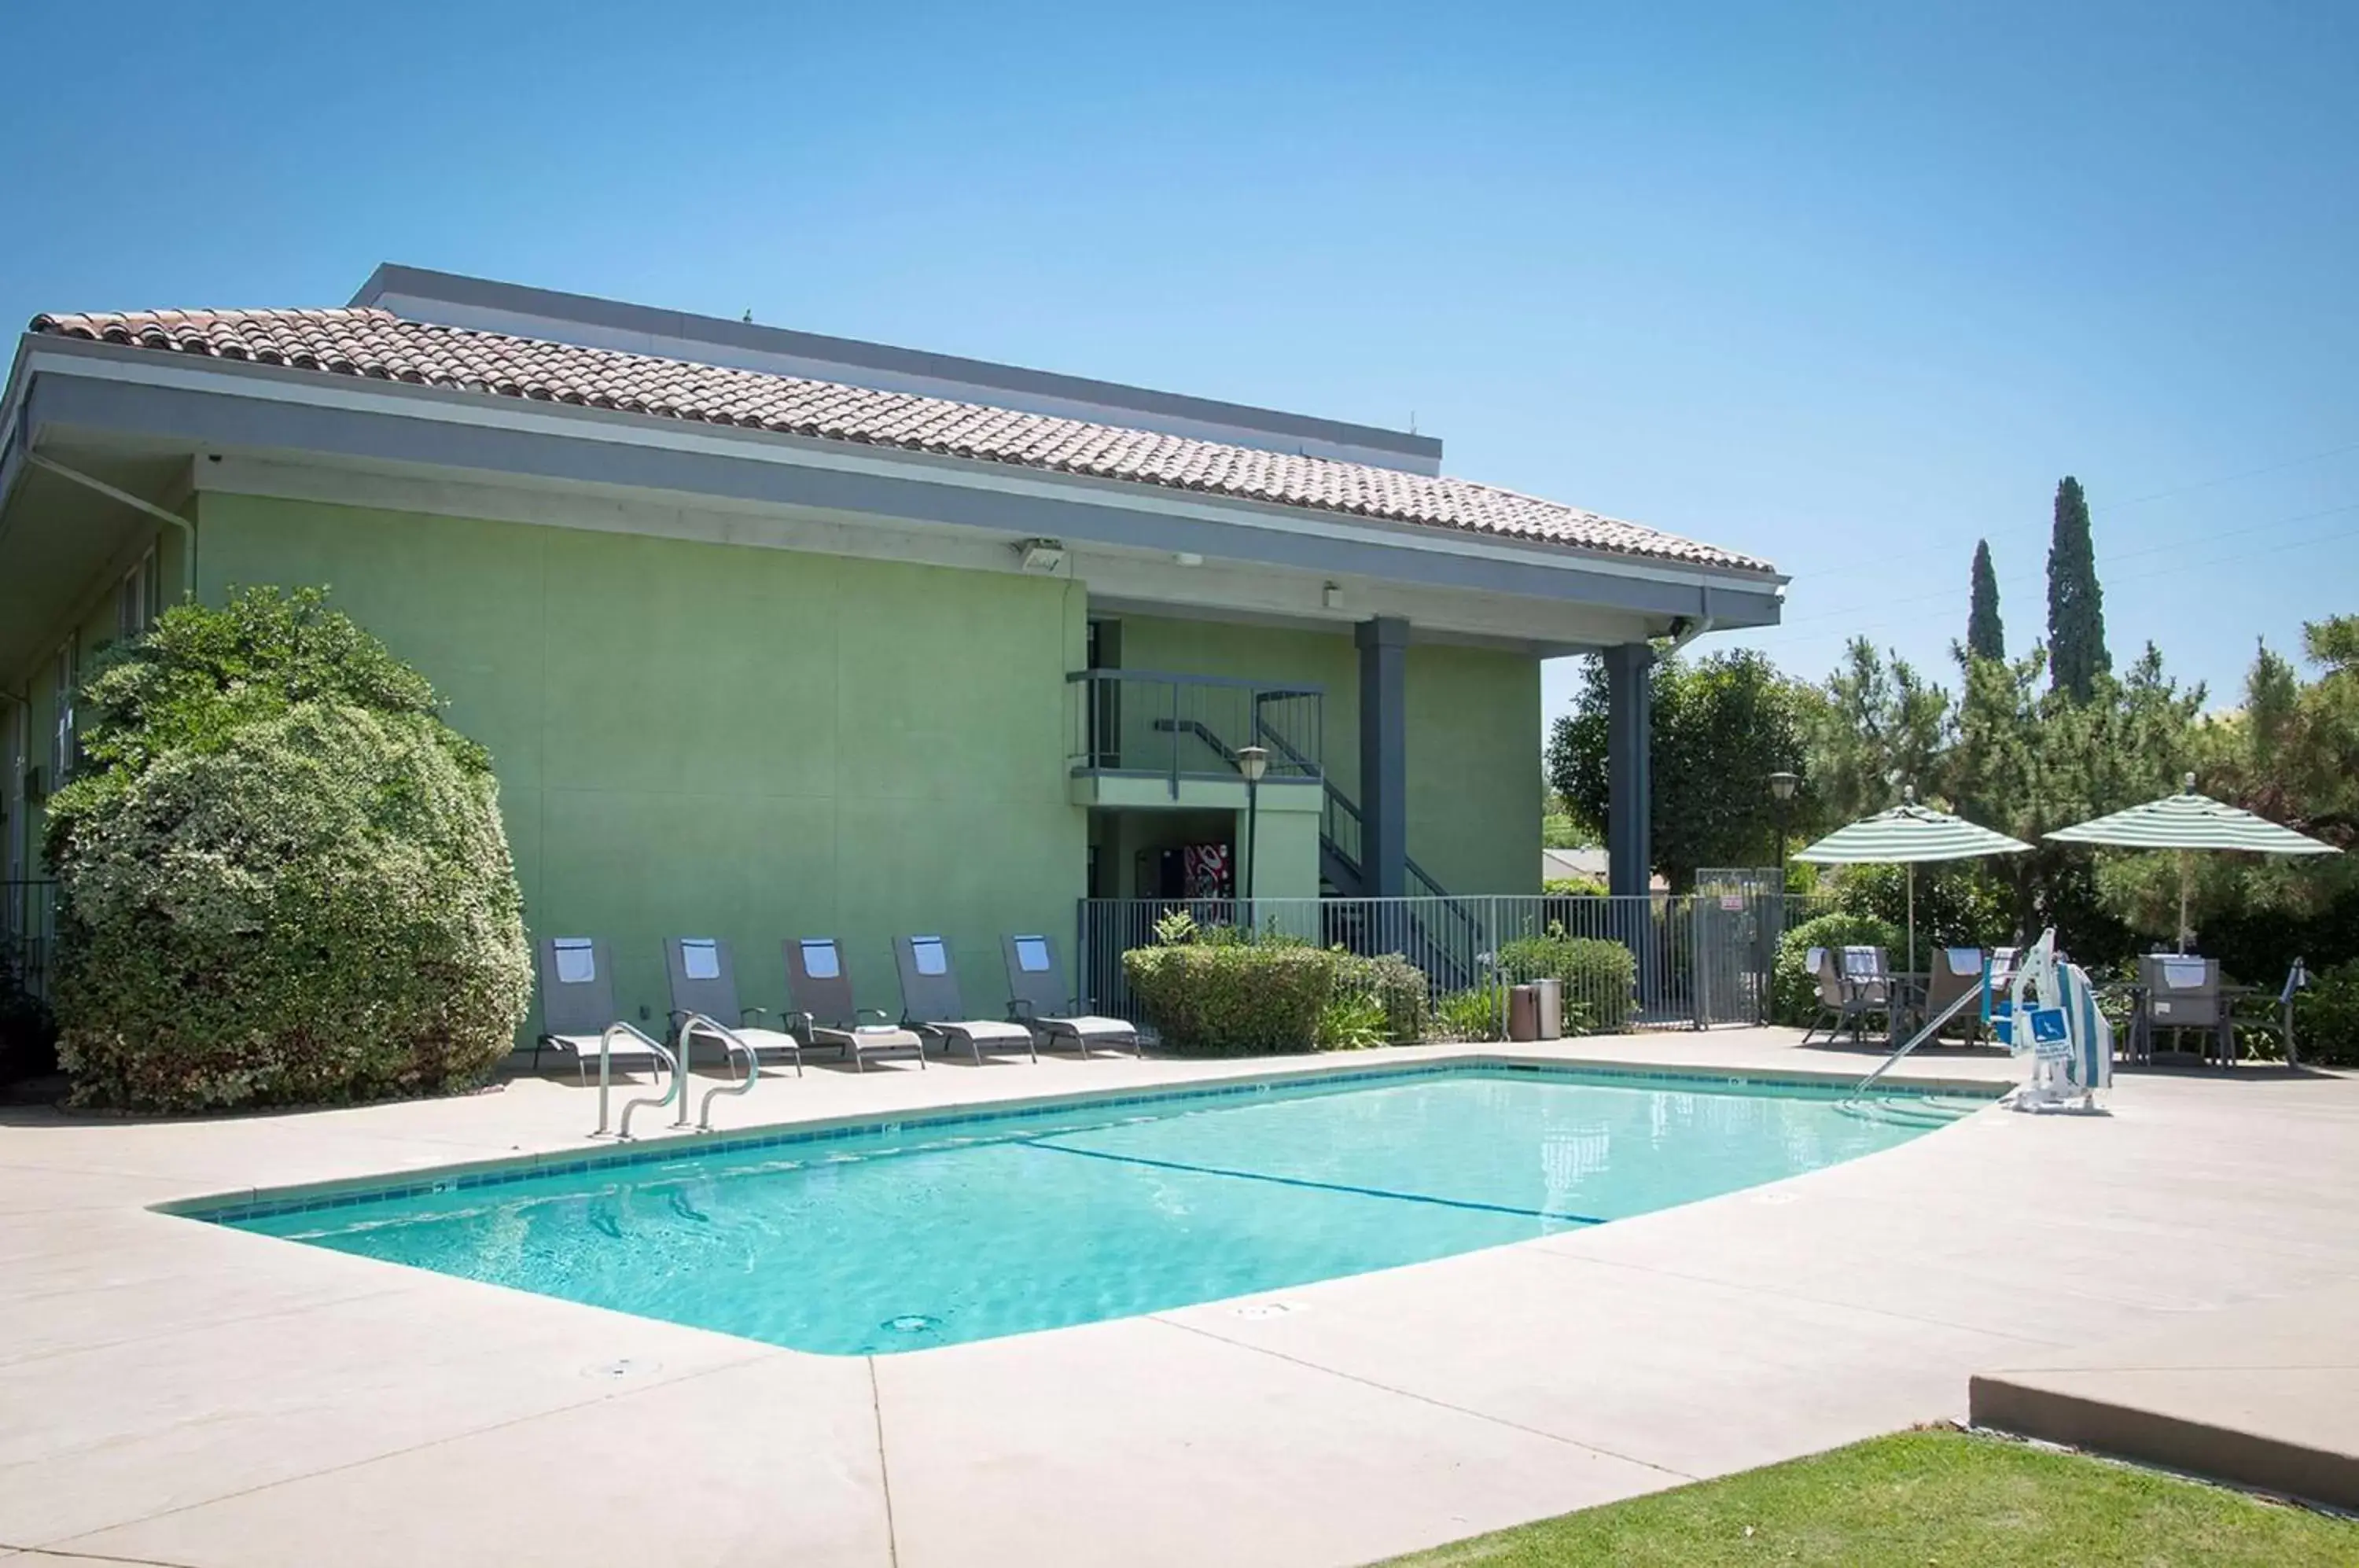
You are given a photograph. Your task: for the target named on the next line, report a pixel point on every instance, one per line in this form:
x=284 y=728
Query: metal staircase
x=1447 y=955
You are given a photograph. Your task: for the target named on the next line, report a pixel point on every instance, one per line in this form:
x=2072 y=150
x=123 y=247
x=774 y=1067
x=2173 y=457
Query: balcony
x=1137 y=736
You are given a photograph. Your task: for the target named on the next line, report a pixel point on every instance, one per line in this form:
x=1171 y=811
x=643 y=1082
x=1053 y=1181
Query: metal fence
x=1699 y=960
x=28 y=931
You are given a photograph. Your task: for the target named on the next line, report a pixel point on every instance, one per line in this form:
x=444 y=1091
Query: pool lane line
x=1042 y=1143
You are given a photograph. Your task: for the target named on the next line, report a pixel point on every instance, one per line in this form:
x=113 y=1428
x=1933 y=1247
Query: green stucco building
x=772 y=633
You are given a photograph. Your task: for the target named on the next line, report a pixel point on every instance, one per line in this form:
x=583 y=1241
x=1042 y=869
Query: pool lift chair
x=929 y=1002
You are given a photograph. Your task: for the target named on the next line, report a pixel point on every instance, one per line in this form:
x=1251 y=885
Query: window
x=19 y=718
x=136 y=598
x=700 y=958
x=930 y=955
x=62 y=747
x=577 y=959
x=819 y=958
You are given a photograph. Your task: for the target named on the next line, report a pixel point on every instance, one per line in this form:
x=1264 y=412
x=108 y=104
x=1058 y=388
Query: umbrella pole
x=1912 y=918
x=2183 y=868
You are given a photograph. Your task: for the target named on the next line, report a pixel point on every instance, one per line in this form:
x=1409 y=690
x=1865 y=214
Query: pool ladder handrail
x=677 y=1088
x=1957 y=1005
x=702 y=1023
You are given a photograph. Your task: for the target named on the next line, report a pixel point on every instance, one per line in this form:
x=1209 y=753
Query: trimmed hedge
x=285 y=881
x=1232 y=998
x=1220 y=992
x=1599 y=977
x=1793 y=989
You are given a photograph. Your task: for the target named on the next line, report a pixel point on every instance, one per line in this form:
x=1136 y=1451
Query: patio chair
x=2182 y=993
x=929 y=1000
x=1867 y=988
x=1832 y=994
x=1957 y=971
x=830 y=1019
x=1038 y=999
x=577 y=1004
x=704 y=981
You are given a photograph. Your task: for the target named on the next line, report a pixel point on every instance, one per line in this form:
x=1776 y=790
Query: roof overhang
x=1136 y=542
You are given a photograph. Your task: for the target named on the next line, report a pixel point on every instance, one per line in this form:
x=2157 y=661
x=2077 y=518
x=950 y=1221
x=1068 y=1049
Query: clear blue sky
x=1845 y=285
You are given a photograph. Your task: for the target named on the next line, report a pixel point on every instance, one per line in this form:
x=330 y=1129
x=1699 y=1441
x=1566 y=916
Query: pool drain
x=913 y=1322
x=1255 y=1310
x=628 y=1367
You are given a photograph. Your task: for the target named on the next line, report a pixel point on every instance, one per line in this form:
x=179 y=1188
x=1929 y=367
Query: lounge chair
x=704 y=981
x=577 y=1005
x=824 y=1007
x=1038 y=999
x=929 y=1000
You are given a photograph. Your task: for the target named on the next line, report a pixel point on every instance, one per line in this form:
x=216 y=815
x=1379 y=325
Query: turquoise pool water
x=930 y=1233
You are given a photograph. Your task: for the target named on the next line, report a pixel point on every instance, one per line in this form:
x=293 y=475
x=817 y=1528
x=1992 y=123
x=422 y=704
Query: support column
x=1629 y=782
x=1384 y=757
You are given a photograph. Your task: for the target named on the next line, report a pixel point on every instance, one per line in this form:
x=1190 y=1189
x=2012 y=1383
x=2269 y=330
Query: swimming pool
x=875 y=1239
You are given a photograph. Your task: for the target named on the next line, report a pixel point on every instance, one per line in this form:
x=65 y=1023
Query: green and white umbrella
x=1906 y=835
x=2188 y=822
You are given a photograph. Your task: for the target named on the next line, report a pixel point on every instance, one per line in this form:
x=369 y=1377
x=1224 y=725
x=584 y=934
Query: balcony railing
x=1155 y=725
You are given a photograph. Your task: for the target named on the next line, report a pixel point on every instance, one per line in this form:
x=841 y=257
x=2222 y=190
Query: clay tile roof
x=377 y=344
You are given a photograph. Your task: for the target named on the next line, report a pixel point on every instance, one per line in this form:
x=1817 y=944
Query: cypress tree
x=2076 y=606
x=1986 y=637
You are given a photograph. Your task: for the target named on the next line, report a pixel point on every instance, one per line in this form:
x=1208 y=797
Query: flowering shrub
x=286 y=882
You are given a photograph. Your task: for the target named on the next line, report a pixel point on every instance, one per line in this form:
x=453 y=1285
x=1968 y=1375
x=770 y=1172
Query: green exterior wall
x=702 y=739
x=709 y=740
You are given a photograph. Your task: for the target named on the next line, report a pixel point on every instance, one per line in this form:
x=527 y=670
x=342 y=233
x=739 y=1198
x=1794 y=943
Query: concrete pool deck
x=181 y=1393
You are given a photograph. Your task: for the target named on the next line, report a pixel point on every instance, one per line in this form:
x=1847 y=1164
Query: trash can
x=1547 y=996
x=1523 y=1012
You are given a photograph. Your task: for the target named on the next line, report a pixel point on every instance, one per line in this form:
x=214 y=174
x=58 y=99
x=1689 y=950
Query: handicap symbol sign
x=2048 y=1036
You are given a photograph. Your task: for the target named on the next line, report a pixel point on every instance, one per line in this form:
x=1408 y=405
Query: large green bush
x=1599 y=977
x=1233 y=998
x=2326 y=1019
x=286 y=880
x=1793 y=988
x=1957 y=905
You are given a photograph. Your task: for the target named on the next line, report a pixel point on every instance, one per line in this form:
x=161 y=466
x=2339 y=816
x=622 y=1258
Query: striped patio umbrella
x=2188 y=822
x=1903 y=837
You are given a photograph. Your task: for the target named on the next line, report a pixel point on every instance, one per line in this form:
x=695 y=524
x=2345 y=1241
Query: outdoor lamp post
x=1253 y=761
x=1781 y=790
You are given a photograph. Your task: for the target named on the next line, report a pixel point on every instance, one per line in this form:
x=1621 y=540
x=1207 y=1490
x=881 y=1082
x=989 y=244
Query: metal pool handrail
x=1957 y=1005
x=699 y=1022
x=678 y=1089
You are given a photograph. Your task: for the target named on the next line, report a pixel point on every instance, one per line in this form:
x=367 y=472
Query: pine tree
x=2076 y=606
x=1986 y=637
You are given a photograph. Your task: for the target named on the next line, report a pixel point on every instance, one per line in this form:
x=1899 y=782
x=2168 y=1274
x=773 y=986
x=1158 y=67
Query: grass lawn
x=1928 y=1499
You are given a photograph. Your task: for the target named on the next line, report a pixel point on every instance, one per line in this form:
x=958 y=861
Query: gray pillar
x=1384 y=757
x=1629 y=783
